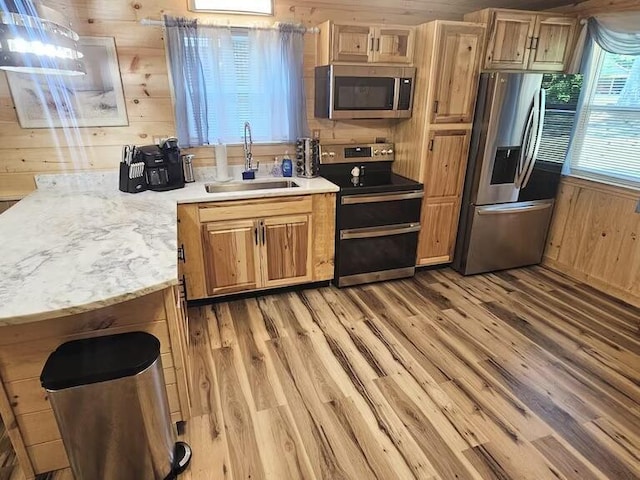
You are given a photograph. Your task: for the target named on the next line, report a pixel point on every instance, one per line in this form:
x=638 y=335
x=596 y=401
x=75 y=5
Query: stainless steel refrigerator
x=509 y=193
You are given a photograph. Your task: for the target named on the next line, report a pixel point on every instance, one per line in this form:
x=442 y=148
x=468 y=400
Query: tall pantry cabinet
x=432 y=146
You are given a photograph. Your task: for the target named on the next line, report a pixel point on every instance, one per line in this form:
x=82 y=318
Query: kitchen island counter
x=69 y=248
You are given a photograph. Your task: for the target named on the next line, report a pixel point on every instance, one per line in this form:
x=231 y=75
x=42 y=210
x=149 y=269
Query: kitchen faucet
x=248 y=145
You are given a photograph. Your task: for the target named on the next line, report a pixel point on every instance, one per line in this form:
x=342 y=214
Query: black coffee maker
x=162 y=165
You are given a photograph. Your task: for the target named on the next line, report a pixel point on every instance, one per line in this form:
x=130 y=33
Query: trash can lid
x=99 y=359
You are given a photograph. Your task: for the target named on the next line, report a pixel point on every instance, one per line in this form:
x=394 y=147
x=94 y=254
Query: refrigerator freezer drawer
x=507 y=236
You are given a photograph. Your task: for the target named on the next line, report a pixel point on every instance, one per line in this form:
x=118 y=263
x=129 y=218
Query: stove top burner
x=373 y=183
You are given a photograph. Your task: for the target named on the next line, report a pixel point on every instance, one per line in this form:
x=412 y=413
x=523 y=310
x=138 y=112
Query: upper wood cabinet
x=350 y=43
x=509 y=41
x=393 y=44
x=364 y=44
x=455 y=78
x=531 y=41
x=553 y=39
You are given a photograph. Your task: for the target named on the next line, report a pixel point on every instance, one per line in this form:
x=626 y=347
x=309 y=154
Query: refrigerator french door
x=496 y=230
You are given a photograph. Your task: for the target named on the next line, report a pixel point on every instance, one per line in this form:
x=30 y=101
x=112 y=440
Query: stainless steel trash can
x=109 y=399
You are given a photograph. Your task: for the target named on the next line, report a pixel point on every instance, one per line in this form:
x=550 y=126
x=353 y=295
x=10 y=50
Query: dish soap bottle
x=287 y=165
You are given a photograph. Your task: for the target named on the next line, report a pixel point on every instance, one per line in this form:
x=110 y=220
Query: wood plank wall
x=595 y=232
x=141 y=54
x=595 y=237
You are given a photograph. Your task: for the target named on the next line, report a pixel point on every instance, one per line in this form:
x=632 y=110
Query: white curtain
x=189 y=86
x=223 y=77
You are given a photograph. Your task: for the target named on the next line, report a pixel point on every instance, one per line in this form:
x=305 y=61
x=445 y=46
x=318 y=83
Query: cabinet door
x=393 y=45
x=286 y=250
x=351 y=43
x=446 y=163
x=190 y=239
x=510 y=37
x=552 y=43
x=439 y=220
x=456 y=83
x=230 y=251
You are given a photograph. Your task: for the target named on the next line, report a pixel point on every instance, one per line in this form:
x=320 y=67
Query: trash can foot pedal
x=181 y=459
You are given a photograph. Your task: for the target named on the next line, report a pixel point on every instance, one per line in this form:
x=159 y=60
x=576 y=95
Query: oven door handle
x=384 y=197
x=373 y=232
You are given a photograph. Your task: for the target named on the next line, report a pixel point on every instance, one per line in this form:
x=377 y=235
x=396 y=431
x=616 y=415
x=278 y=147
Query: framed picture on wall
x=92 y=100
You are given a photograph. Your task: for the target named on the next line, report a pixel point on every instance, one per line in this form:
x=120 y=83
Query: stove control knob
x=384 y=152
x=332 y=154
x=376 y=152
x=390 y=151
x=325 y=154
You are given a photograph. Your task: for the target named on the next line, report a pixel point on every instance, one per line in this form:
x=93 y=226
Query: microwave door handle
x=396 y=93
x=539 y=131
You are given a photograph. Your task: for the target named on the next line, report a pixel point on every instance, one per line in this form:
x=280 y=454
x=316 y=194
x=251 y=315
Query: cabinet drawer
x=213 y=212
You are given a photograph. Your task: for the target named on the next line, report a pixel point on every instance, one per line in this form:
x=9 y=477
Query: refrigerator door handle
x=522 y=161
x=540 y=129
x=531 y=137
x=517 y=208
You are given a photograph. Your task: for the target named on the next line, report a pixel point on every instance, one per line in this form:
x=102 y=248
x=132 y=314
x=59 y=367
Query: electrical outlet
x=638 y=207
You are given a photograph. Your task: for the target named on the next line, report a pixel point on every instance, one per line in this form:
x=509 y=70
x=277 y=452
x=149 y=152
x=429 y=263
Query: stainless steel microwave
x=363 y=91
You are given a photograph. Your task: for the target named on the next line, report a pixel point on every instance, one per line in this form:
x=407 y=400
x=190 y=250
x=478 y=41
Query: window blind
x=563 y=92
x=607 y=138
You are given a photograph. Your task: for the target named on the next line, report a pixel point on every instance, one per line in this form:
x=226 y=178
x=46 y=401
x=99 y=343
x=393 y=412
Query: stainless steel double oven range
x=377 y=214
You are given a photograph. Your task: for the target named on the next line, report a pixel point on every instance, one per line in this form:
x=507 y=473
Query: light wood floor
x=516 y=375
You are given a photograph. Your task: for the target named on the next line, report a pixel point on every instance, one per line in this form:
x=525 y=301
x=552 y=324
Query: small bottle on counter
x=287 y=166
x=276 y=170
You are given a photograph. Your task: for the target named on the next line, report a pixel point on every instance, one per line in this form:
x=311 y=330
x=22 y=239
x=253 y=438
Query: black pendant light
x=37 y=39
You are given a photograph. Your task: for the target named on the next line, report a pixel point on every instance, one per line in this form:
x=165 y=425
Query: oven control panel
x=349 y=153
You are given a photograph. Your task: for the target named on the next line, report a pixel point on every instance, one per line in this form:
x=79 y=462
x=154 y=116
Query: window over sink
x=225 y=76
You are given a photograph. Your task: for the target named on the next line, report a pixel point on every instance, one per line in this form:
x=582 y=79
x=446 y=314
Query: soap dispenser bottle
x=287 y=166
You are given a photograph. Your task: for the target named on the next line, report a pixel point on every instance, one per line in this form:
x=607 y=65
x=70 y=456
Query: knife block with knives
x=132 y=178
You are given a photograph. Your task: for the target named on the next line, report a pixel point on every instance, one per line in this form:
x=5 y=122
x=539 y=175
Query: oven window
x=379 y=213
x=367 y=255
x=364 y=93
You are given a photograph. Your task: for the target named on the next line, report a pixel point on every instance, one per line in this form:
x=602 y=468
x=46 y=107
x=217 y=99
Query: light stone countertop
x=78 y=244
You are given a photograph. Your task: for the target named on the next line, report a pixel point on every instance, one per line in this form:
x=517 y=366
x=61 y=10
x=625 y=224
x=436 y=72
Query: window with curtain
x=223 y=77
x=606 y=143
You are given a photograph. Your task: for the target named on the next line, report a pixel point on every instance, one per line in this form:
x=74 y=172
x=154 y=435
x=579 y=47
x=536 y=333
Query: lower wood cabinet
x=439 y=222
x=258 y=253
x=237 y=246
x=286 y=250
x=230 y=256
x=443 y=178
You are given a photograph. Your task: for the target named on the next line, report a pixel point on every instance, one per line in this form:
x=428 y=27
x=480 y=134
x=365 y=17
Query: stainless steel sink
x=246 y=186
